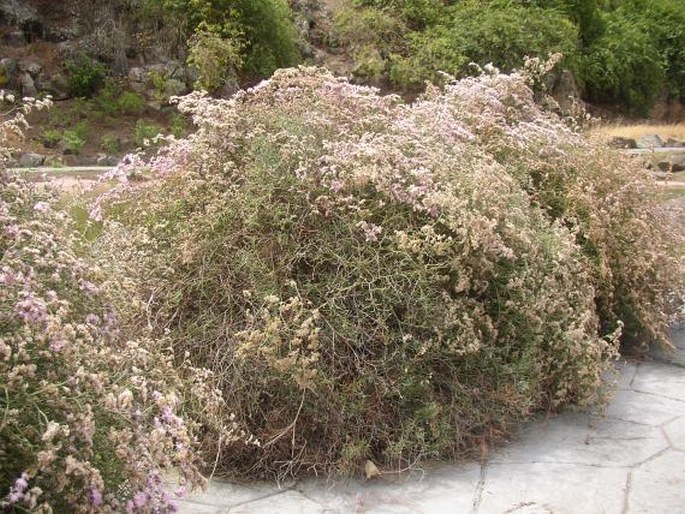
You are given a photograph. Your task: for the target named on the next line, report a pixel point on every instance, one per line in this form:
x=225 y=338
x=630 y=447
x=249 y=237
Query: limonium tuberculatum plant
x=372 y=279
x=92 y=411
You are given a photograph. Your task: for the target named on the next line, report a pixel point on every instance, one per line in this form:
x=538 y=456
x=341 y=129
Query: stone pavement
x=627 y=459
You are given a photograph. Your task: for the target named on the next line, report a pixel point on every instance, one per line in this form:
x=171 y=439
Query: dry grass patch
x=635 y=131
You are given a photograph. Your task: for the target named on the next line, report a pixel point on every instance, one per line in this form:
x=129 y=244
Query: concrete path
x=628 y=459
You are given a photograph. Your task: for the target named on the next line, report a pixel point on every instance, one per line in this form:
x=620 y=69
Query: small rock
x=371 y=470
x=15 y=38
x=85 y=160
x=27 y=86
x=674 y=143
x=56 y=86
x=154 y=105
x=137 y=74
x=191 y=75
x=174 y=87
x=30 y=160
x=650 y=141
x=673 y=163
x=106 y=160
x=30 y=67
x=623 y=142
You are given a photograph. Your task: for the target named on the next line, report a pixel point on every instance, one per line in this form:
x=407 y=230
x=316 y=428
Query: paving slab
x=443 y=489
x=628 y=458
x=659 y=380
x=644 y=408
x=675 y=433
x=657 y=486
x=624 y=375
x=553 y=488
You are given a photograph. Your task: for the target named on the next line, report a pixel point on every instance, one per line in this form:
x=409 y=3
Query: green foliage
x=51 y=137
x=382 y=41
x=130 y=102
x=158 y=80
x=178 y=125
x=624 y=66
x=105 y=101
x=370 y=279
x=261 y=29
x=85 y=77
x=75 y=138
x=110 y=144
x=624 y=52
x=663 y=21
x=586 y=14
x=270 y=36
x=417 y=13
x=373 y=36
x=215 y=58
x=480 y=34
x=144 y=132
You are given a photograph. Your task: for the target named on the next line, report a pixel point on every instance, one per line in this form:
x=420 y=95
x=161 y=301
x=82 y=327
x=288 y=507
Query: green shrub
x=371 y=279
x=106 y=99
x=624 y=66
x=178 y=125
x=262 y=29
x=481 y=34
x=417 y=13
x=372 y=36
x=586 y=14
x=85 y=77
x=381 y=40
x=270 y=36
x=215 y=58
x=663 y=23
x=144 y=132
x=73 y=142
x=51 y=137
x=110 y=144
x=130 y=102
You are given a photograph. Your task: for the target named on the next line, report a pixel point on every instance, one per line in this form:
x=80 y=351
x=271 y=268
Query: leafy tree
x=624 y=66
x=501 y=35
x=262 y=28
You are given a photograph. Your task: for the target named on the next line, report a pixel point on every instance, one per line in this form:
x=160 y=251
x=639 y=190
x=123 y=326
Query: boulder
x=30 y=160
x=56 y=86
x=674 y=143
x=623 y=143
x=26 y=85
x=106 y=160
x=566 y=91
x=31 y=67
x=15 y=38
x=84 y=160
x=650 y=141
x=674 y=162
x=174 y=87
x=137 y=79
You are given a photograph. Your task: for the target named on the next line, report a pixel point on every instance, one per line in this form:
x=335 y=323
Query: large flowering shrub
x=370 y=279
x=90 y=418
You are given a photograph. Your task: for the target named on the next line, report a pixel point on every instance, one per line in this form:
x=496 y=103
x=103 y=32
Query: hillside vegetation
x=623 y=52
